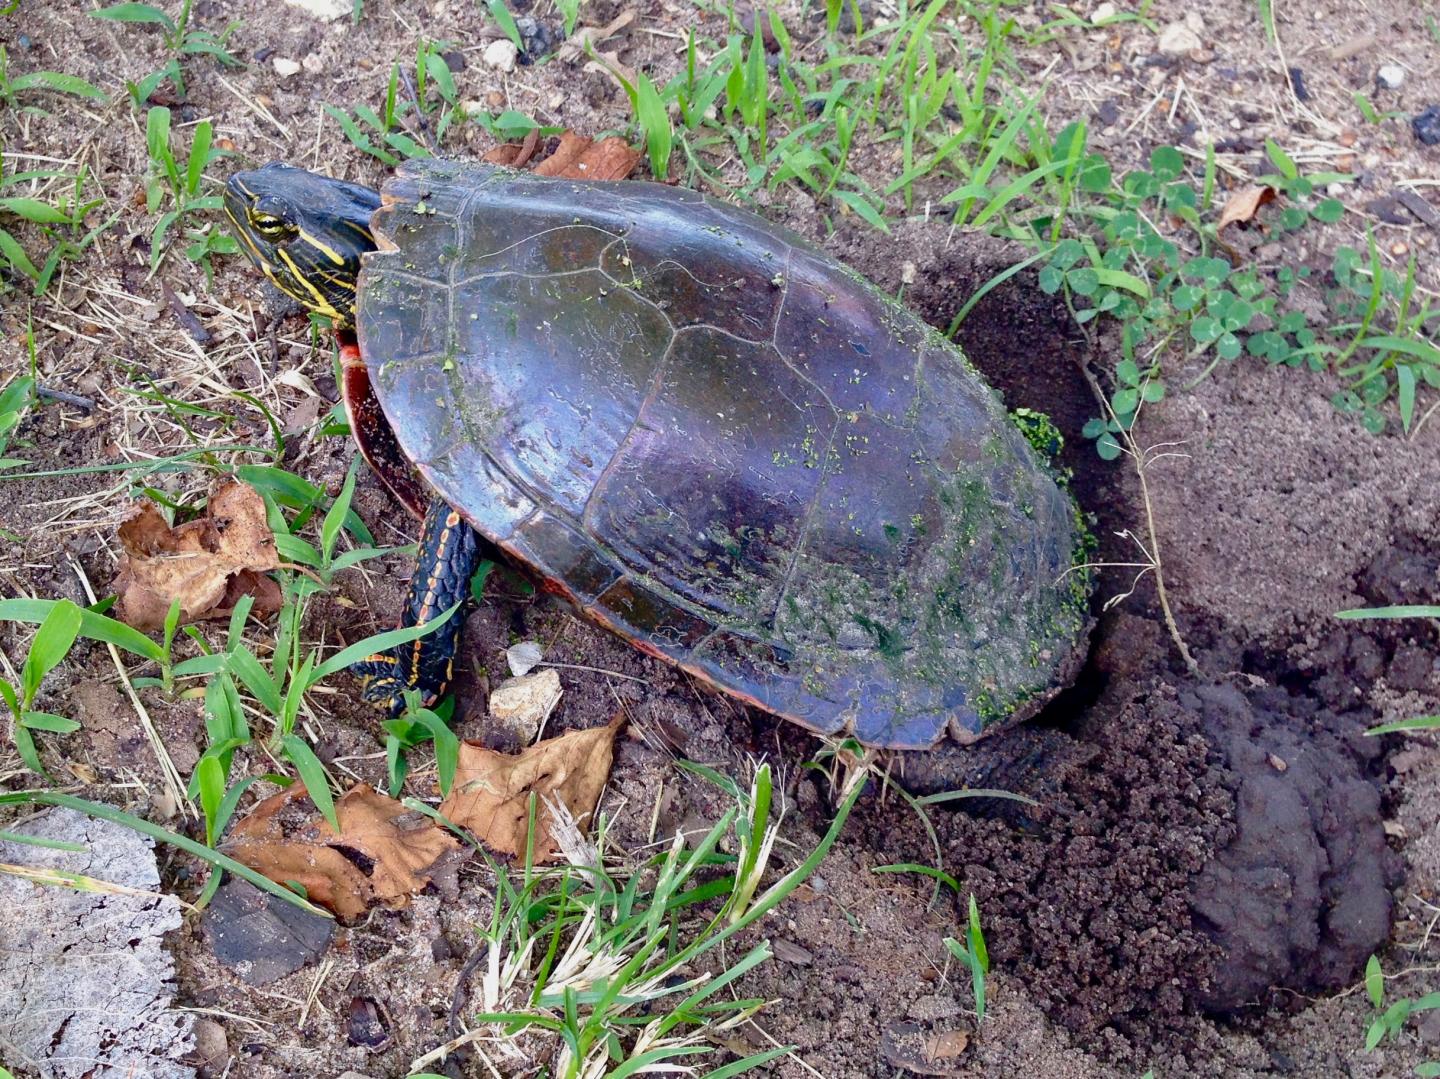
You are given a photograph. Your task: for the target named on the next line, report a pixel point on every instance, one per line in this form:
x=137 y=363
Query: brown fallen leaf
x=578 y=157
x=208 y=564
x=586 y=37
x=383 y=853
x=492 y=790
x=1244 y=204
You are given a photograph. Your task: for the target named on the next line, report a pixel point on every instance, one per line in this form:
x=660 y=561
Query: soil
x=1213 y=854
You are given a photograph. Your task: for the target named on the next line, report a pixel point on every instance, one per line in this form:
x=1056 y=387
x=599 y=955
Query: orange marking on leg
x=428 y=603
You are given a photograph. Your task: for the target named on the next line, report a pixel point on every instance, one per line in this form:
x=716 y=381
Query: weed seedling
x=606 y=966
x=51 y=644
x=1389 y=1021
x=180 y=38
x=181 y=181
x=40 y=82
x=16 y=397
x=974 y=955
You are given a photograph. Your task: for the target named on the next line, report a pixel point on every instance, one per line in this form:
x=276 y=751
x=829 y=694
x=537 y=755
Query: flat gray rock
x=86 y=985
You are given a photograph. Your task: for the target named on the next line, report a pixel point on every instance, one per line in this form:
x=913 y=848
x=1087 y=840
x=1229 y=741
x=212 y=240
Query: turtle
x=694 y=427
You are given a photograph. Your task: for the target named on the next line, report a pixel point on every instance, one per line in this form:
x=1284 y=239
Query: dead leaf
x=578 y=157
x=383 y=853
x=515 y=155
x=585 y=37
x=208 y=564
x=492 y=790
x=1244 y=204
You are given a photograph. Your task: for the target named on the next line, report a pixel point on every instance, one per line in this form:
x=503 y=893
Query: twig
x=173 y=784
x=420 y=117
x=462 y=985
x=64 y=397
x=1153 y=551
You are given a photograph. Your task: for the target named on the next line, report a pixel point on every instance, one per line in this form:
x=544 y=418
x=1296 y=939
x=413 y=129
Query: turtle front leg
x=449 y=551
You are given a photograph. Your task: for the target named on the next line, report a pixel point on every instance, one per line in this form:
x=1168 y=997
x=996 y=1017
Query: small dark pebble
x=538 y=38
x=1422 y=210
x=1426 y=125
x=789 y=952
x=1388 y=210
x=261 y=55
x=454 y=60
x=366 y=1026
x=23 y=42
x=1108 y=114
x=1297 y=83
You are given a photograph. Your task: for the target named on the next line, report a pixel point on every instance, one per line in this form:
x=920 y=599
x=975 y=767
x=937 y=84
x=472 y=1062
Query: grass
x=176 y=185
x=610 y=965
x=182 y=39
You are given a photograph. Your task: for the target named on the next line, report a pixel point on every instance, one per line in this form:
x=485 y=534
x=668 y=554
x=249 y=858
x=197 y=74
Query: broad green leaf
x=52 y=644
x=138 y=13
x=58 y=82
x=42 y=213
x=313 y=775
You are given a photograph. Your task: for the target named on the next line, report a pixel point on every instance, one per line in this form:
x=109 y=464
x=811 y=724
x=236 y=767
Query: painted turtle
x=704 y=434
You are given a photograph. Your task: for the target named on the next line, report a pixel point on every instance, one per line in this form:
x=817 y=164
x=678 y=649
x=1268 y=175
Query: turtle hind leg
x=449 y=550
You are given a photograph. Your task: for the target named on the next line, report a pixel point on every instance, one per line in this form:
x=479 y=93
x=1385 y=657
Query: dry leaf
x=576 y=158
x=208 y=564
x=492 y=790
x=383 y=854
x=1244 y=204
x=584 y=37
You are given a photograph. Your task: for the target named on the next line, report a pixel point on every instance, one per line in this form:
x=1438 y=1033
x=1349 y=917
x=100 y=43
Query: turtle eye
x=269 y=226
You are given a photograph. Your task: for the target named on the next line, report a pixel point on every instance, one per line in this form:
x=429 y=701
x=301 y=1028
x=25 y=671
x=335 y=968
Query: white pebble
x=501 y=55
x=285 y=67
x=1177 y=39
x=1390 y=76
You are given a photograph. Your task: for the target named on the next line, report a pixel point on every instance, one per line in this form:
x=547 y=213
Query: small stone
x=1429 y=1028
x=1426 y=125
x=210 y=1046
x=329 y=10
x=1399 y=247
x=555 y=102
x=1195 y=21
x=907 y=273
x=1177 y=39
x=502 y=55
x=285 y=67
x=522 y=704
x=1390 y=77
x=524 y=657
x=1102 y=12
x=789 y=952
x=1277 y=763
x=494 y=99
x=1335 y=190
x=313 y=64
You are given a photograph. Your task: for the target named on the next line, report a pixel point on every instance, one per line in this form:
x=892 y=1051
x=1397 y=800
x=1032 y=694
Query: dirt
x=1214 y=854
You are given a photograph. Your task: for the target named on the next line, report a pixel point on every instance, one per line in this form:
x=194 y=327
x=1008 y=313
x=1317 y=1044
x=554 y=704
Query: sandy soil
x=1174 y=871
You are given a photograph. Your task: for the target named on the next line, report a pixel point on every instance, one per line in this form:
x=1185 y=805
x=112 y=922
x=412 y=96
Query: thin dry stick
x=1128 y=444
x=173 y=783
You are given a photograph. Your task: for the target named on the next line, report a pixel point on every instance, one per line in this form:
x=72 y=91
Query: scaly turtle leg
x=449 y=550
x=448 y=553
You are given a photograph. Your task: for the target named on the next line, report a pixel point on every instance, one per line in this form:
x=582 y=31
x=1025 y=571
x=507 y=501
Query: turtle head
x=306 y=232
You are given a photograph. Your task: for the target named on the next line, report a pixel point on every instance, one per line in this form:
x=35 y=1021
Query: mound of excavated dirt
x=1300 y=896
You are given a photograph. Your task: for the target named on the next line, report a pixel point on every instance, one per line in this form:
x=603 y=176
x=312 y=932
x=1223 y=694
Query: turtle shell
x=724 y=446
